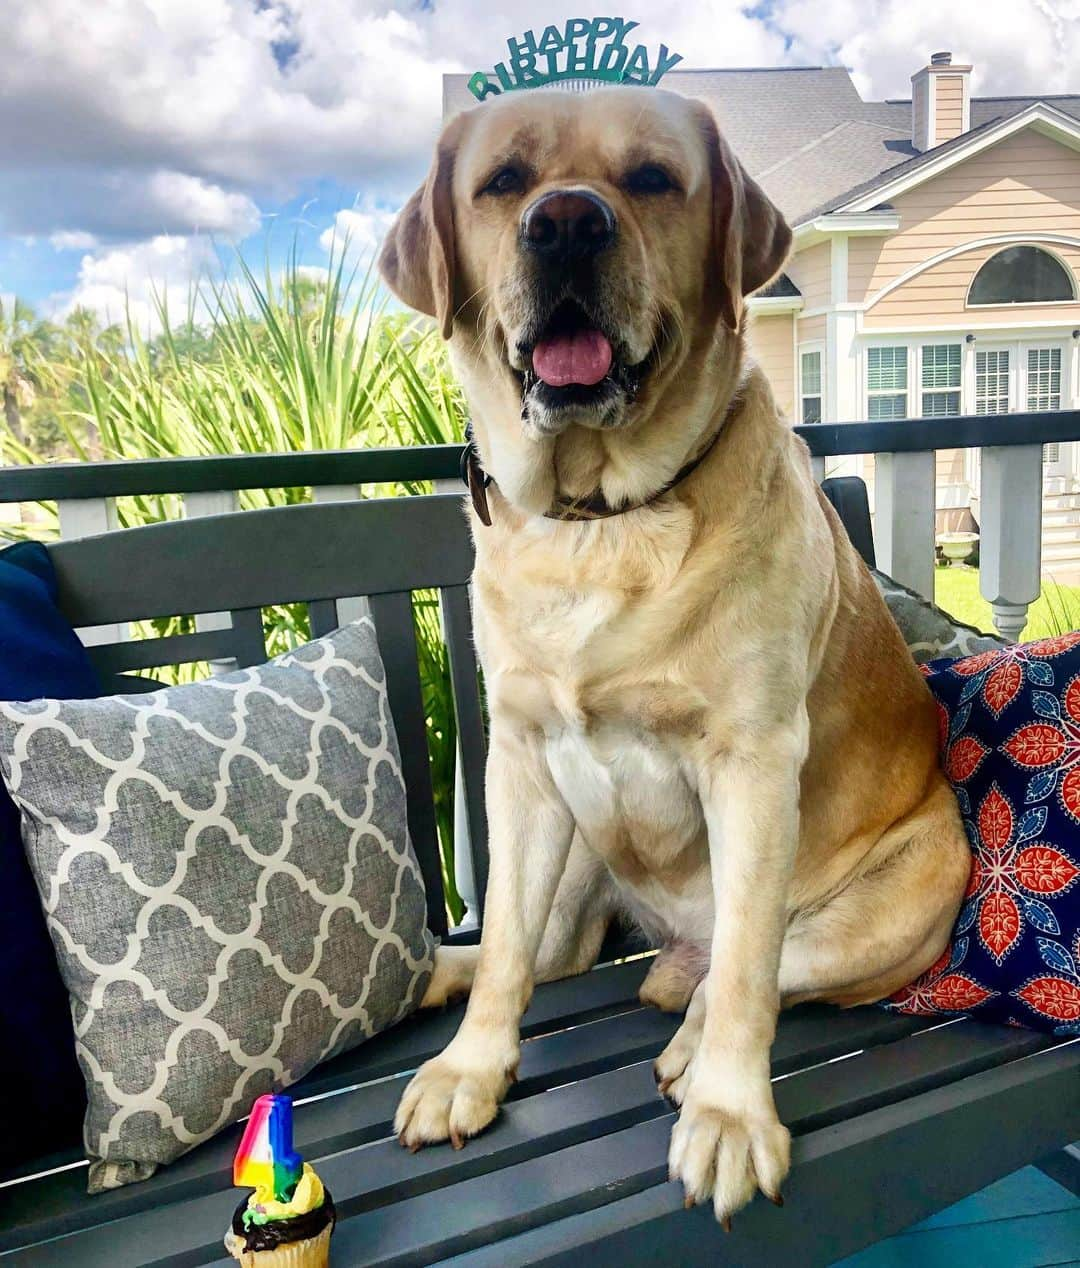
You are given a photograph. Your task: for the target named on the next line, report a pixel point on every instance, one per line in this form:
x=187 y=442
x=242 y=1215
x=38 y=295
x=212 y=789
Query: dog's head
x=580 y=247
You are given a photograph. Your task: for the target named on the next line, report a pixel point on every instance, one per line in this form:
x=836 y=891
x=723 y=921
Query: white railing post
x=817 y=465
x=1010 y=533
x=904 y=518
x=86 y=517
x=196 y=505
x=356 y=607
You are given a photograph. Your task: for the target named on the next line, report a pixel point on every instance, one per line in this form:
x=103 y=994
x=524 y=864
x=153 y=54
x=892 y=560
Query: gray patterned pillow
x=228 y=880
x=928 y=630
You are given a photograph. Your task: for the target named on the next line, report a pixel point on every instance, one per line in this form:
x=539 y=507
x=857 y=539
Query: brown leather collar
x=590 y=506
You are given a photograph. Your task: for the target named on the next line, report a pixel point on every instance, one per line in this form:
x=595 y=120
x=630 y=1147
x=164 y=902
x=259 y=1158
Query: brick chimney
x=940 y=102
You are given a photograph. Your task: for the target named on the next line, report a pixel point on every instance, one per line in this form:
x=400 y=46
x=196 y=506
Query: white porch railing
x=1011 y=497
x=1010 y=510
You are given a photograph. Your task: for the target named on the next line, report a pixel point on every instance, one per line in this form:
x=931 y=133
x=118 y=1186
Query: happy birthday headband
x=585 y=48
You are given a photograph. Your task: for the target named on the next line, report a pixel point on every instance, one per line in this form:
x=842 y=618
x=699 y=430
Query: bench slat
x=323 y=615
x=363 y=1177
x=850 y=1186
x=59 y=1202
x=472 y=742
x=248 y=640
x=152 y=653
x=288 y=554
x=424 y=1229
x=396 y=632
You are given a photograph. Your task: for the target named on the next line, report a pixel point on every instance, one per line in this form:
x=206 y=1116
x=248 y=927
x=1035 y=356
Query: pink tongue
x=583 y=357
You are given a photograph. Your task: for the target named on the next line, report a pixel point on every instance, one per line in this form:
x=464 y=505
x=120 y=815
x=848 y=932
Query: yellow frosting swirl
x=307 y=1196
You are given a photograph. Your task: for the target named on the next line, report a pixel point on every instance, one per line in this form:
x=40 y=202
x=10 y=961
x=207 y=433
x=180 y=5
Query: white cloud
x=207 y=208
x=313 y=272
x=1016 y=47
x=128 y=281
x=358 y=231
x=148 y=121
x=104 y=103
x=72 y=240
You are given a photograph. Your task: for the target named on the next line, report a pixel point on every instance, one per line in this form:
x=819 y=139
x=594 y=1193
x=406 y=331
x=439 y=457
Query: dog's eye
x=507 y=180
x=649 y=180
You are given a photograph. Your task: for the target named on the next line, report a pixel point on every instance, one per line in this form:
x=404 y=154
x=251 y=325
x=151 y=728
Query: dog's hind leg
x=452 y=977
x=672 y=1067
x=890 y=924
x=674 y=976
x=583 y=908
x=874 y=937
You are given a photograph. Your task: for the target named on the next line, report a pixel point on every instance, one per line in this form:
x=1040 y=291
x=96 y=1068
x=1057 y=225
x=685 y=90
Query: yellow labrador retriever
x=701 y=711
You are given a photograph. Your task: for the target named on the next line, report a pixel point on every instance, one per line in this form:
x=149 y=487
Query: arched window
x=1021 y=275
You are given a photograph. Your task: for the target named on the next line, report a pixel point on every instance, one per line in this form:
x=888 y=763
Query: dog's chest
x=633 y=800
x=617 y=737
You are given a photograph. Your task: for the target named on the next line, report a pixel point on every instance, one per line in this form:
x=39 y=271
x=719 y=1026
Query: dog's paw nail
x=777 y=1199
x=414 y=1148
x=725 y=1223
x=457 y=1140
x=688 y=1203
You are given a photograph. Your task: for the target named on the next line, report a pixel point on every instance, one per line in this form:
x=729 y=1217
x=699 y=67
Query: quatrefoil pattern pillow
x=228 y=882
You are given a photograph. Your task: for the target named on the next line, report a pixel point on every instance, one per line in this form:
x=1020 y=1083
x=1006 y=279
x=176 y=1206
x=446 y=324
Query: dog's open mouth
x=573 y=362
x=570 y=352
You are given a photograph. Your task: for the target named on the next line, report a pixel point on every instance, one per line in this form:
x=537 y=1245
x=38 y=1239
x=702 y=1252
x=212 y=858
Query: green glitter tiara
x=585 y=48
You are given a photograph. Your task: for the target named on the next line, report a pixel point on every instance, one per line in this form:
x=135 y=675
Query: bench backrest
x=325 y=556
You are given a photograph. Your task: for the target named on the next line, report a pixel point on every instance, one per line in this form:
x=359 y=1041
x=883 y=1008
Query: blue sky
x=143 y=141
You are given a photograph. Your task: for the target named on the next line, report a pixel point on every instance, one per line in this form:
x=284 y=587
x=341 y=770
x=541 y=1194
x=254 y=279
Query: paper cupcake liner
x=312 y=1252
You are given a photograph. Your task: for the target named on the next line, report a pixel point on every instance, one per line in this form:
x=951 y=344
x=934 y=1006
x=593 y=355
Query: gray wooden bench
x=893 y=1118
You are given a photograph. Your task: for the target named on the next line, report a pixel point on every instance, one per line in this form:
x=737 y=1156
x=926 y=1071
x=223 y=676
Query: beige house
x=945 y=282
x=936 y=264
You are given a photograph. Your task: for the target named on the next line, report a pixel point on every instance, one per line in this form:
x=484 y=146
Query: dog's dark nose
x=568 y=224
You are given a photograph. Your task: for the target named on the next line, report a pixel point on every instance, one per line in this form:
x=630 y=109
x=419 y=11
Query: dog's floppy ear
x=417 y=257
x=751 y=239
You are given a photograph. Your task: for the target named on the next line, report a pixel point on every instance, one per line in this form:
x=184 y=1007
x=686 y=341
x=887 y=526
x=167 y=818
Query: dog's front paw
x=728 y=1154
x=448 y=1100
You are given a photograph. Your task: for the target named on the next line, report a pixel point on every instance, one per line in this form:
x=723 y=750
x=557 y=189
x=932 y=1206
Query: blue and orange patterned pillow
x=1009 y=725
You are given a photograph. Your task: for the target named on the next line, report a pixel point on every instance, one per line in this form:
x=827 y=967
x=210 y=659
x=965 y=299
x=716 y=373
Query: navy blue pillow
x=1009 y=723
x=42 y=1094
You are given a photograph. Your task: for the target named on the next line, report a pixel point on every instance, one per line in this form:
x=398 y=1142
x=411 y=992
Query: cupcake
x=288 y=1220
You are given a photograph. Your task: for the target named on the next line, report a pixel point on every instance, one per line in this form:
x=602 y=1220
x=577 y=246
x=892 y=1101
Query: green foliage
x=1056 y=611
x=254 y=365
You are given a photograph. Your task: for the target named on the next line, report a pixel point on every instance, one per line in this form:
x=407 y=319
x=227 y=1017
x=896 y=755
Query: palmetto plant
x=25 y=365
x=265 y=364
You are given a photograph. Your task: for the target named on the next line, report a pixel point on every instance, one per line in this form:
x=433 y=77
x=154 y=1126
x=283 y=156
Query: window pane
x=1044 y=378
x=811 y=373
x=941 y=365
x=1021 y=275
x=811 y=409
x=883 y=408
x=940 y=404
x=887 y=369
x=992 y=382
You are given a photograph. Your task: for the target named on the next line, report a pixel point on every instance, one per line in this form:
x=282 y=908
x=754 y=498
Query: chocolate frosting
x=276 y=1233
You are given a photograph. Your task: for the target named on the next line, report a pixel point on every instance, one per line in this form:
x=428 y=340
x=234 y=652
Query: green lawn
x=956 y=589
